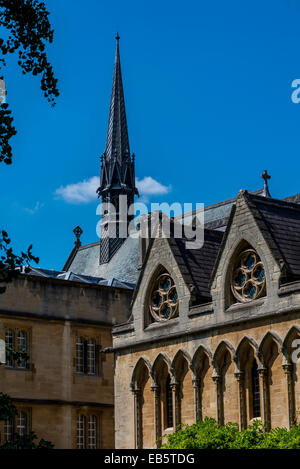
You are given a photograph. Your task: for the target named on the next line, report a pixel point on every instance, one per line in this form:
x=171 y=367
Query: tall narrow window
x=86 y=357
x=9 y=429
x=22 y=347
x=9 y=343
x=22 y=423
x=255 y=390
x=92 y=432
x=169 y=403
x=91 y=357
x=80 y=359
x=81 y=432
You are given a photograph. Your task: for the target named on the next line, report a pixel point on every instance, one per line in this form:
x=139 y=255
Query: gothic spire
x=117 y=169
x=117 y=143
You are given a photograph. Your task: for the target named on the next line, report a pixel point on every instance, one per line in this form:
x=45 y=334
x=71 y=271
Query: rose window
x=164 y=299
x=248 y=278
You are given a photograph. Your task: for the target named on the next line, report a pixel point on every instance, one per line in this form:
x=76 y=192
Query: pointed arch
x=163 y=386
x=184 y=392
x=161 y=359
x=221 y=349
x=245 y=275
x=142 y=364
x=181 y=354
x=246 y=341
x=161 y=300
x=248 y=362
x=293 y=333
x=226 y=384
x=201 y=352
x=291 y=366
x=272 y=360
x=141 y=385
x=203 y=384
x=266 y=340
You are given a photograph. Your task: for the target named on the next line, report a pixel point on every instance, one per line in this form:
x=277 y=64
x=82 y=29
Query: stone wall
x=54 y=315
x=220 y=342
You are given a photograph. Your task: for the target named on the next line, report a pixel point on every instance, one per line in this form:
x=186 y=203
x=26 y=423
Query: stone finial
x=266 y=177
x=77 y=232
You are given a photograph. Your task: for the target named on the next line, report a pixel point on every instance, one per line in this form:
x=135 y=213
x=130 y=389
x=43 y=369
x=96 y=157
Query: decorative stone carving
x=164 y=299
x=248 y=281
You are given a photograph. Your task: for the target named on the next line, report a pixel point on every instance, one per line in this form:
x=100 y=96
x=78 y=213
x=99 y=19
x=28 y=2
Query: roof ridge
x=276 y=202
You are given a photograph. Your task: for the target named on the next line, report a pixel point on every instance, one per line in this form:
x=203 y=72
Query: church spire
x=117 y=143
x=117 y=167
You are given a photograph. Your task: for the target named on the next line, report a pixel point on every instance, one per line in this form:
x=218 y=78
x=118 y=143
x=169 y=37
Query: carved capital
x=196 y=382
x=239 y=375
x=287 y=368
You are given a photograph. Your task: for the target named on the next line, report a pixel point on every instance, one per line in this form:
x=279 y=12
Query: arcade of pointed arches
x=238 y=385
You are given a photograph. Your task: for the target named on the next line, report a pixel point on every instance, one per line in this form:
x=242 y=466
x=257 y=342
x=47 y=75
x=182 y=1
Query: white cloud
x=148 y=186
x=85 y=191
x=80 y=193
x=33 y=210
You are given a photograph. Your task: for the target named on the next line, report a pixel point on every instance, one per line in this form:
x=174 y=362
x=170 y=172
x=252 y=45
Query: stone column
x=265 y=397
x=288 y=370
x=176 y=387
x=197 y=399
x=157 y=414
x=240 y=376
x=138 y=430
x=220 y=405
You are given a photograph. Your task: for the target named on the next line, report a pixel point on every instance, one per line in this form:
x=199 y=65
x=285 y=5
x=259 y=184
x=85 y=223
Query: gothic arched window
x=248 y=280
x=163 y=302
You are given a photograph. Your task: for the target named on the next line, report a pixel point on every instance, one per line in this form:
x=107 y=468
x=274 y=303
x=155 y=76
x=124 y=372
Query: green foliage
x=28 y=28
x=27 y=442
x=208 y=434
x=10 y=263
x=7 y=409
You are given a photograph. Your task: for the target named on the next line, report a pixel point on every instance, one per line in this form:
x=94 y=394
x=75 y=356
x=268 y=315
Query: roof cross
x=77 y=232
x=266 y=177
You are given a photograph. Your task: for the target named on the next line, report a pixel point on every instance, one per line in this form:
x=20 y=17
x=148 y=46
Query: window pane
x=22 y=423
x=91 y=357
x=22 y=347
x=8 y=429
x=92 y=429
x=81 y=432
x=9 y=342
x=80 y=355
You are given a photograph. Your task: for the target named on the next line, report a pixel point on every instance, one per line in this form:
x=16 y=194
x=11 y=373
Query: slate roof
x=282 y=220
x=199 y=263
x=124 y=265
x=72 y=277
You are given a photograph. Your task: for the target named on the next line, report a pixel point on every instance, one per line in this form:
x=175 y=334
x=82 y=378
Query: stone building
x=212 y=330
x=199 y=332
x=64 y=391
x=63 y=320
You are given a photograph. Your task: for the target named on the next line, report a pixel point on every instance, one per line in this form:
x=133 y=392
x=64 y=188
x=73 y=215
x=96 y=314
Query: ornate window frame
x=252 y=276
x=162 y=300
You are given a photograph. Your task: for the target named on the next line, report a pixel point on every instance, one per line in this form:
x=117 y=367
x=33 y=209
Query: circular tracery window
x=164 y=299
x=248 y=280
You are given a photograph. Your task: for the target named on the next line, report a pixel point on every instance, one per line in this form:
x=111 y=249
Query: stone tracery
x=164 y=298
x=248 y=280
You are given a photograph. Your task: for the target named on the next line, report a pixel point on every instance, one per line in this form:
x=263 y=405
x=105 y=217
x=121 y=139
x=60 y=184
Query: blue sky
x=208 y=98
